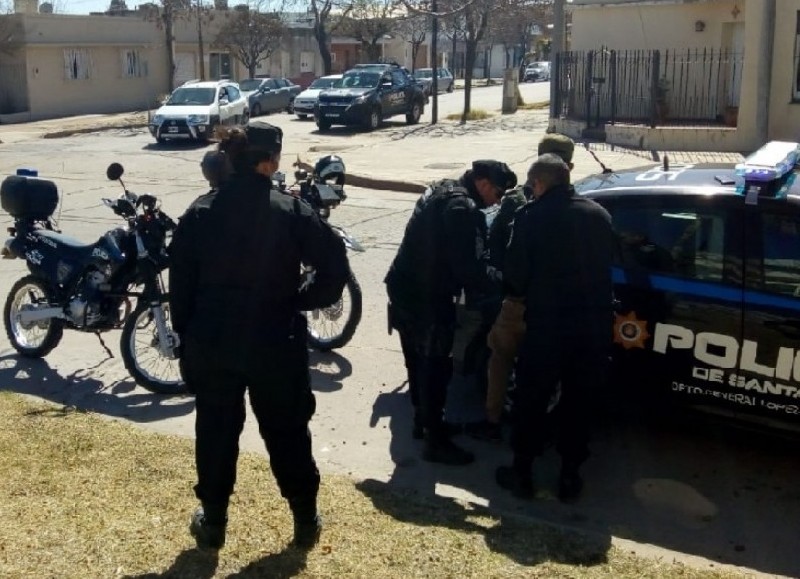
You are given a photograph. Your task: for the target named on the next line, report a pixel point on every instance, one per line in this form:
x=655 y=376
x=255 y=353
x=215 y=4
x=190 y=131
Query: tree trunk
x=251 y=69
x=322 y=42
x=170 y=39
x=455 y=47
x=201 y=54
x=471 y=47
x=415 y=46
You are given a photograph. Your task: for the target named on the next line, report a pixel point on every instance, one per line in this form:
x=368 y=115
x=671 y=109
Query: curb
x=70 y=132
x=384 y=184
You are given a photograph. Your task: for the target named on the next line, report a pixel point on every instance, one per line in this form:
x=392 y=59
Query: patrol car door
x=769 y=373
x=400 y=84
x=678 y=282
x=386 y=94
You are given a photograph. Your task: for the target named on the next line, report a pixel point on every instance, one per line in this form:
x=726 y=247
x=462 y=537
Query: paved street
x=696 y=490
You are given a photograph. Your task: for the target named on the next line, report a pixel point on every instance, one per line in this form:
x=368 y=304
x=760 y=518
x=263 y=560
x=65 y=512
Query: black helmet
x=215 y=167
x=330 y=167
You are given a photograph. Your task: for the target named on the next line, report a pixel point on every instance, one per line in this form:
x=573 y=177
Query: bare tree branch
x=11 y=33
x=252 y=36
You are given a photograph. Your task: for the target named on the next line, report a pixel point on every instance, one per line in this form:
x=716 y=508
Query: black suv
x=707 y=283
x=367 y=94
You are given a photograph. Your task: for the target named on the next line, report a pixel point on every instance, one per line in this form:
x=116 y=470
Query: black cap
x=264 y=136
x=497 y=172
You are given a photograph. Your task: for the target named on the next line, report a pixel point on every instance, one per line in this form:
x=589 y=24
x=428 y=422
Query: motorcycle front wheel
x=142 y=354
x=333 y=327
x=31 y=339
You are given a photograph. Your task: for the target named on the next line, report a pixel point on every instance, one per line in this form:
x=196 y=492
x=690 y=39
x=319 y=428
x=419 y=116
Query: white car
x=195 y=108
x=305 y=102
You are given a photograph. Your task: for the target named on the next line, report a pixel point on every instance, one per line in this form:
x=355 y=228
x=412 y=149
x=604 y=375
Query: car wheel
x=245 y=117
x=323 y=126
x=451 y=87
x=161 y=140
x=374 y=120
x=412 y=118
x=256 y=110
x=290 y=107
x=302 y=117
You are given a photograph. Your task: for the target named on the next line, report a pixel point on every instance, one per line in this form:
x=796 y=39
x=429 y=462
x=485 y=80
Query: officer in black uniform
x=443 y=252
x=559 y=258
x=236 y=305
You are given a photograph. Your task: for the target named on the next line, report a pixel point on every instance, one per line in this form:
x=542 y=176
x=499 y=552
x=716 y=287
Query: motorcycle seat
x=67 y=243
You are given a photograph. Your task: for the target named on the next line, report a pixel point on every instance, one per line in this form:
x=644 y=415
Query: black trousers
x=427 y=349
x=279 y=389
x=579 y=364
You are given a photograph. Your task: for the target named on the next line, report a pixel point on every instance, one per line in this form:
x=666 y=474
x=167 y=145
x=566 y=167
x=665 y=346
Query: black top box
x=28 y=197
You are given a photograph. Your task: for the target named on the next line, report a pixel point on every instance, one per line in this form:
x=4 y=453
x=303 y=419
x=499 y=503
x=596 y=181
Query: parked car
x=269 y=95
x=537 y=71
x=707 y=281
x=445 y=83
x=367 y=94
x=305 y=102
x=195 y=108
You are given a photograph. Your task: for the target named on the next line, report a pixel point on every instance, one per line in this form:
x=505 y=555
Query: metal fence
x=654 y=87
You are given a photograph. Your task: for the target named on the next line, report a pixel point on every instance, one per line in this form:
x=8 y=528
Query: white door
x=184 y=67
x=306 y=61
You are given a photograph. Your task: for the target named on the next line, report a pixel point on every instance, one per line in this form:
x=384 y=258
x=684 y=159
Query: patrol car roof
x=678 y=179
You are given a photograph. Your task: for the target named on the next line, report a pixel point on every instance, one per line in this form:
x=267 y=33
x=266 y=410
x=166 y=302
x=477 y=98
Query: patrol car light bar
x=771 y=162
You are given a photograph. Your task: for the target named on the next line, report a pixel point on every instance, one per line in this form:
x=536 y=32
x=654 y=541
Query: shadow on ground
x=685 y=483
x=119 y=399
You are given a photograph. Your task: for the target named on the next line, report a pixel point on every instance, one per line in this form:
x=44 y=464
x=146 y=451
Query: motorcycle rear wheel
x=143 y=358
x=333 y=327
x=36 y=339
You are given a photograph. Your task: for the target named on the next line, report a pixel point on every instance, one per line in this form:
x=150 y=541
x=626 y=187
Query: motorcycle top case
x=28 y=197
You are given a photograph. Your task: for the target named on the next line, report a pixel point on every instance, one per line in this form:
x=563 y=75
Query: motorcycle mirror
x=114 y=171
x=108 y=202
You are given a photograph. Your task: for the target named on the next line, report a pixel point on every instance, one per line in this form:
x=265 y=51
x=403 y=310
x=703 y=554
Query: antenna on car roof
x=605 y=169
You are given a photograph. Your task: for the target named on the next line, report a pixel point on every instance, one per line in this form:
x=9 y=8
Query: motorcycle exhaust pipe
x=40 y=314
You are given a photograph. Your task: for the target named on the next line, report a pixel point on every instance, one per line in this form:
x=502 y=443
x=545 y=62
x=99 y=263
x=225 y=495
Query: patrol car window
x=672 y=240
x=781 y=242
x=191 y=96
x=359 y=80
x=398 y=78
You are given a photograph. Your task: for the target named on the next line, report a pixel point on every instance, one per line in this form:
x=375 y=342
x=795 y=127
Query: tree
x=251 y=36
x=369 y=22
x=12 y=31
x=414 y=30
x=328 y=17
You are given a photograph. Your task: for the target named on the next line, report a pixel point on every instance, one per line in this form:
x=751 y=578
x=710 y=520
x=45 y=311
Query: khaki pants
x=504 y=340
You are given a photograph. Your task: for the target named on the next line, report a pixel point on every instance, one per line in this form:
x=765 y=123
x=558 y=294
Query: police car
x=707 y=283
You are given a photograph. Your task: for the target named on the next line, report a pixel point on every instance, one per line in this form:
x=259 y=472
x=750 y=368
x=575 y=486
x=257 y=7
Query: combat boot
x=307 y=522
x=208 y=528
x=439 y=448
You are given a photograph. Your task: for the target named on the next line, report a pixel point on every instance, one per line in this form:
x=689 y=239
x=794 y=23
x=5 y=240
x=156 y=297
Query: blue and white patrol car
x=707 y=283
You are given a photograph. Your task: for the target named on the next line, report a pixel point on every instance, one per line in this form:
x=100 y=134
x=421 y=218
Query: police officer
x=509 y=328
x=236 y=305
x=559 y=258
x=442 y=253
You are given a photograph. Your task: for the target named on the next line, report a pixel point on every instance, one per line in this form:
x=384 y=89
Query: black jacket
x=443 y=251
x=500 y=229
x=560 y=258
x=235 y=266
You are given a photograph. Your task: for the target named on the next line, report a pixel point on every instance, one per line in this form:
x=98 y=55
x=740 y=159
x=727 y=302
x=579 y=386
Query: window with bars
x=133 y=65
x=77 y=64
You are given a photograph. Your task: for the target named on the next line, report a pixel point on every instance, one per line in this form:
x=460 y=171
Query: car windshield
x=250 y=84
x=423 y=74
x=192 y=96
x=323 y=83
x=358 y=79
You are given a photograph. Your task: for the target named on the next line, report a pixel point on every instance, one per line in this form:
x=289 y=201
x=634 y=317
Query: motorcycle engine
x=85 y=309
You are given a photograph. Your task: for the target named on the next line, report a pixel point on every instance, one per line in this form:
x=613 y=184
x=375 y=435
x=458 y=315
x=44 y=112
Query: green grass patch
x=83 y=496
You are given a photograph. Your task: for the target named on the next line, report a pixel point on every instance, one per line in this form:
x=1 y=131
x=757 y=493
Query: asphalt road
x=695 y=488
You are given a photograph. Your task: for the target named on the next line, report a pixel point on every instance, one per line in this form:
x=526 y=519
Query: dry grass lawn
x=86 y=497
x=473 y=115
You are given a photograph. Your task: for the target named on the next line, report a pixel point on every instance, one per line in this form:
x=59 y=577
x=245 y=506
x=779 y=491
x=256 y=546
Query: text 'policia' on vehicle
x=368 y=94
x=707 y=283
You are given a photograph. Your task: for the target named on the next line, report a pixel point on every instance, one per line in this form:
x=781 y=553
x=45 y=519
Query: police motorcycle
x=115 y=282
x=332 y=327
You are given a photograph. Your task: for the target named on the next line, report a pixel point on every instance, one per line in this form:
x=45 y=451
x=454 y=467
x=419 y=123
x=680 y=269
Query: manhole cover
x=444 y=166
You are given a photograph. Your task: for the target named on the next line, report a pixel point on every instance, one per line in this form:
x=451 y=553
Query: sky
x=81 y=6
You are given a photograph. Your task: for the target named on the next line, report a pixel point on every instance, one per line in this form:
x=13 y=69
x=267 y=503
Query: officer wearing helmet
x=236 y=304
x=443 y=253
x=330 y=167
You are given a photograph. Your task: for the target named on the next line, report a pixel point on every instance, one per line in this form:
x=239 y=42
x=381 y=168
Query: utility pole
x=200 y=39
x=556 y=48
x=434 y=63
